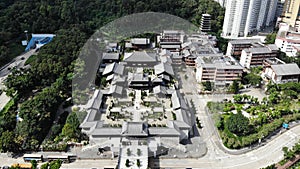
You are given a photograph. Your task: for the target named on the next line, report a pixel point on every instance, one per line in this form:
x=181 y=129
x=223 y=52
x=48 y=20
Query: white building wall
x=229 y=49
x=285 y=47
x=199 y=71
x=245 y=59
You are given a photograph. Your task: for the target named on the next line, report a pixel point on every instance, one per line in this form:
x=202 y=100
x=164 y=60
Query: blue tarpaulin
x=285 y=125
x=39 y=40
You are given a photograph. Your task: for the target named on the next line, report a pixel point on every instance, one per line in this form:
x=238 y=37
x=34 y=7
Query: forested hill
x=48 y=16
x=37 y=92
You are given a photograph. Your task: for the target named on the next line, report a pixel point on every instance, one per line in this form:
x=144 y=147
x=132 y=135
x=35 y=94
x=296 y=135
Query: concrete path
x=3 y=100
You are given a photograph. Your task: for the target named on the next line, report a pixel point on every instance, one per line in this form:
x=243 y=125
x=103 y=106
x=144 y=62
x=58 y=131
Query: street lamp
x=26 y=31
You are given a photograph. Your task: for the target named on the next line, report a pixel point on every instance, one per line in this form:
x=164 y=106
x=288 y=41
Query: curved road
x=216 y=157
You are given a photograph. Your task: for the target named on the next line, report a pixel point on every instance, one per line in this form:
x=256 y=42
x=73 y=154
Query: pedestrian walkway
x=3 y=100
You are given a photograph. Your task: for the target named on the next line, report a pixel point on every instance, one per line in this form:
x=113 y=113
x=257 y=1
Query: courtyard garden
x=245 y=121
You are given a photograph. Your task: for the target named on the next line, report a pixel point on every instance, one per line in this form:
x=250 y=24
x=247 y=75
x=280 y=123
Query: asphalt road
x=261 y=157
x=18 y=62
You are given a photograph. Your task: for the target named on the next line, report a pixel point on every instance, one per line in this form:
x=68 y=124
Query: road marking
x=291 y=134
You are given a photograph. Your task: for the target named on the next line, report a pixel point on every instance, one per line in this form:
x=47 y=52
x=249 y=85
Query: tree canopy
x=238 y=124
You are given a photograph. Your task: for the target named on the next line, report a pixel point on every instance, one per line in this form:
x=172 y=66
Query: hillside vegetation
x=40 y=90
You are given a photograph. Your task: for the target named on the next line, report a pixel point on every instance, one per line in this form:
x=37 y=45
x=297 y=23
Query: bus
x=36 y=157
x=63 y=158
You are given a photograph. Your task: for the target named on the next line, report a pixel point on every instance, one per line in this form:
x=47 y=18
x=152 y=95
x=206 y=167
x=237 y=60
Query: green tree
x=207 y=85
x=235 y=87
x=71 y=130
x=238 y=124
x=55 y=164
x=45 y=166
x=127 y=163
x=270 y=38
x=238 y=98
x=138 y=162
x=34 y=164
x=7 y=141
x=253 y=79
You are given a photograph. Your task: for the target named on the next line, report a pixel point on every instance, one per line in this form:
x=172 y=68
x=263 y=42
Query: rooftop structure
x=138 y=43
x=113 y=68
x=110 y=57
x=218 y=69
x=39 y=40
x=256 y=55
x=140 y=58
x=283 y=73
x=171 y=40
x=235 y=47
x=198 y=45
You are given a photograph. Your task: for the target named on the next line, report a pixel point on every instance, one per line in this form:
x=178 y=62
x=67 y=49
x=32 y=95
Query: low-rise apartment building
x=256 y=55
x=235 y=47
x=283 y=73
x=218 y=69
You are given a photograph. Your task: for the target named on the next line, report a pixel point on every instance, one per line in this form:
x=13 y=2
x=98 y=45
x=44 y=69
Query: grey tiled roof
x=244 y=41
x=140 y=41
x=183 y=116
x=134 y=129
x=141 y=56
x=88 y=124
x=286 y=69
x=93 y=115
x=165 y=52
x=113 y=68
x=116 y=89
x=177 y=101
x=260 y=50
x=108 y=56
x=163 y=131
x=181 y=124
x=95 y=101
x=106 y=132
x=159 y=89
x=163 y=67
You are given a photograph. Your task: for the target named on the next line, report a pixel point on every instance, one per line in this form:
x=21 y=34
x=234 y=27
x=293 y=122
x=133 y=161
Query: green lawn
x=31 y=59
x=7 y=107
